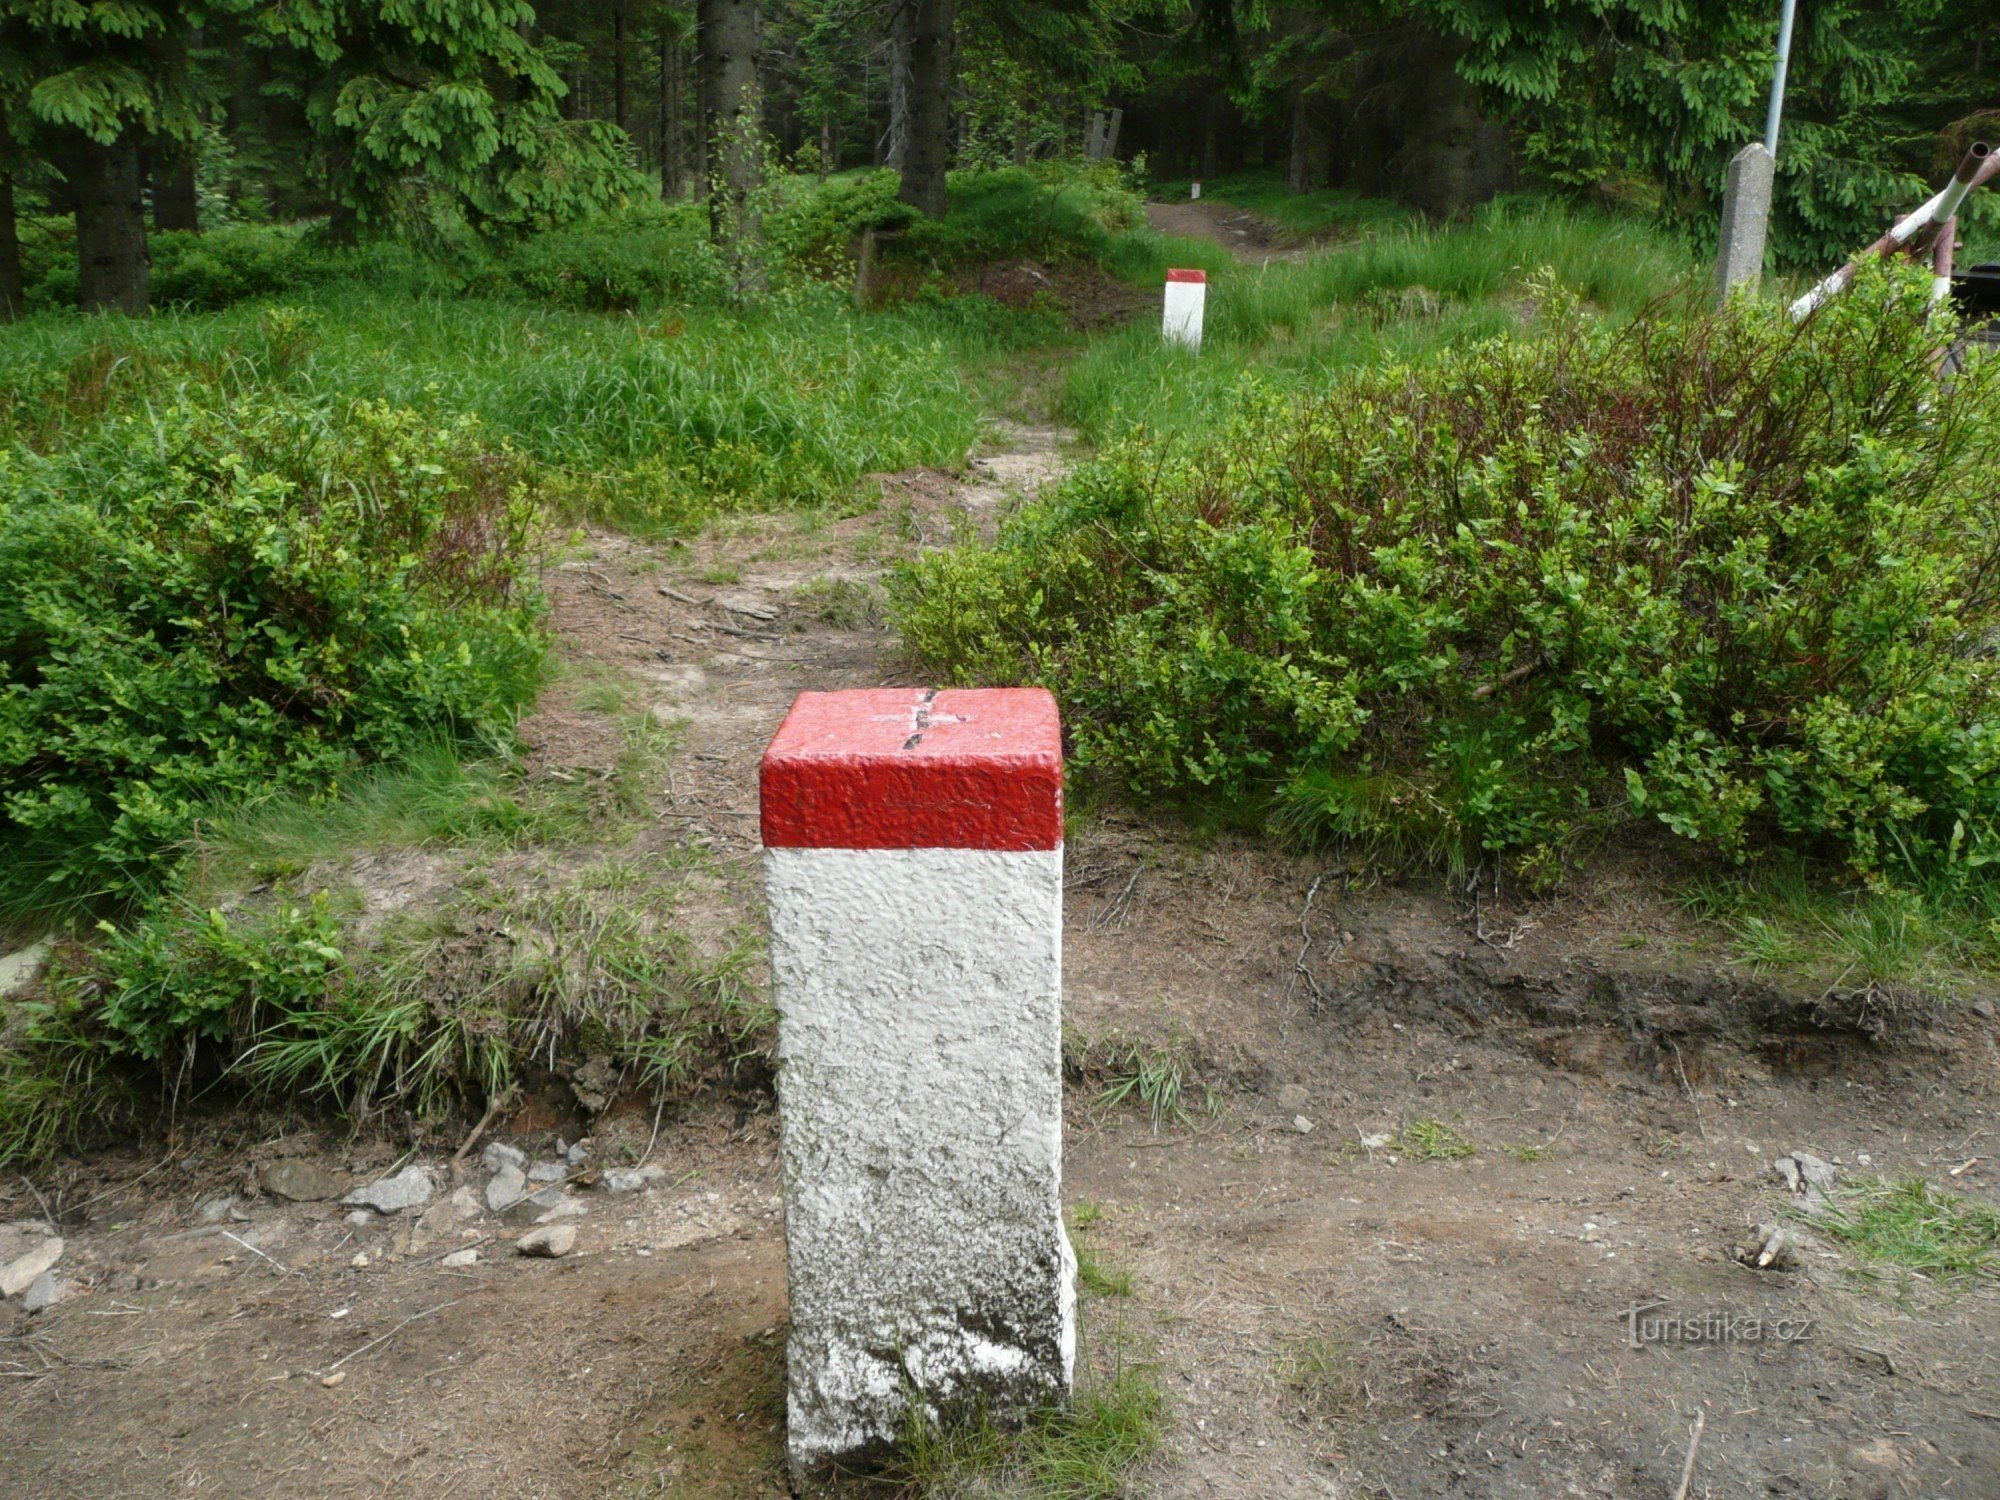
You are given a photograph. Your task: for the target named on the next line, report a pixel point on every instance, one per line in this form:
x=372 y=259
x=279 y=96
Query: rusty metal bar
x=1978 y=165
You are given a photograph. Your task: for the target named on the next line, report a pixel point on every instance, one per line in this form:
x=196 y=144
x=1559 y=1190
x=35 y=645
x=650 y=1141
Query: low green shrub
x=1738 y=579
x=1052 y=211
x=210 y=604
x=280 y=997
x=615 y=265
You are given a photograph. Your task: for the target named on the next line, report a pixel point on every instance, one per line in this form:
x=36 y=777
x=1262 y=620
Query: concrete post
x=913 y=867
x=1746 y=212
x=1181 y=311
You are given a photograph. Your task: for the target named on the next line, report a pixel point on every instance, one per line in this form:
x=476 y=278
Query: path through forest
x=1251 y=238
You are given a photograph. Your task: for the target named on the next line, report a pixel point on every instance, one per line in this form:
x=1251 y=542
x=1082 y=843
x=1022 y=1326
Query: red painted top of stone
x=906 y=768
x=1201 y=276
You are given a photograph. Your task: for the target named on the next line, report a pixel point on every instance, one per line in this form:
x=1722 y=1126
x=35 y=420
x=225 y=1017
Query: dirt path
x=1329 y=1314
x=1251 y=238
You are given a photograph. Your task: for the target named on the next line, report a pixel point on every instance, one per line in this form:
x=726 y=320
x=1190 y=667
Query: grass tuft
x=1914 y=1226
x=1433 y=1140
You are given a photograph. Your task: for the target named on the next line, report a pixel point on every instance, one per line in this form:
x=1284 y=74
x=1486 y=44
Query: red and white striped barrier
x=1187 y=296
x=913 y=867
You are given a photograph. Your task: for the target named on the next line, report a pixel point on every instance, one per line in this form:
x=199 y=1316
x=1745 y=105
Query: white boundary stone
x=919 y=998
x=1185 y=302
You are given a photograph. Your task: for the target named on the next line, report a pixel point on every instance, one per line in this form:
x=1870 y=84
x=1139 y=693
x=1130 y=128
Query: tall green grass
x=694 y=411
x=1388 y=299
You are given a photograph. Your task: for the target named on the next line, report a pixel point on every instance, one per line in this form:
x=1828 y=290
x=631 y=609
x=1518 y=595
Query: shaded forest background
x=441 y=118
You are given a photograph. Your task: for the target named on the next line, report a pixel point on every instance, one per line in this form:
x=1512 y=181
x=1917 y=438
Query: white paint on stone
x=919 y=996
x=1181 y=313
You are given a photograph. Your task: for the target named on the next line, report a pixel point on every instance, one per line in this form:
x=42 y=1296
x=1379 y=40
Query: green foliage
x=437 y=108
x=282 y=998
x=1655 y=98
x=180 y=977
x=1727 y=576
x=211 y=604
x=1052 y=211
x=102 y=71
x=615 y=265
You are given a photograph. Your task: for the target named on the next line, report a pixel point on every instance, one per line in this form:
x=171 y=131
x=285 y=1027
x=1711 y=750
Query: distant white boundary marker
x=1187 y=296
x=913 y=868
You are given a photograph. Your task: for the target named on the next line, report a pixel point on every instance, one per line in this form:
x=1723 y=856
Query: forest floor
x=1453 y=1138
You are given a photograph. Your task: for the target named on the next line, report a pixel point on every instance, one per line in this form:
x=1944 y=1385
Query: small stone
x=301 y=1181
x=549 y=1197
x=466 y=1200
x=508 y=1187
x=24 y=1272
x=595 y=1084
x=458 y=1260
x=360 y=1262
x=568 y=1208
x=410 y=1188
x=361 y=1218
x=577 y=1155
x=1302 y=1125
x=629 y=1179
x=550 y=1242
x=330 y=1381
x=1984 y=1009
x=496 y=1156
x=42 y=1295
x=548 y=1171
x=22 y=967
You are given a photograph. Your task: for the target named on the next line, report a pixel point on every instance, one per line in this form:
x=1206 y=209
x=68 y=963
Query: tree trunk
x=896 y=151
x=176 y=205
x=11 y=296
x=731 y=34
x=929 y=147
x=1306 y=162
x=10 y=246
x=673 y=115
x=113 y=266
x=621 y=91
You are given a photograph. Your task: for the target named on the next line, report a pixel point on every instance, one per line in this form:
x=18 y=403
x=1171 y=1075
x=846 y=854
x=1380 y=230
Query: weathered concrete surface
x=919 y=994
x=1746 y=213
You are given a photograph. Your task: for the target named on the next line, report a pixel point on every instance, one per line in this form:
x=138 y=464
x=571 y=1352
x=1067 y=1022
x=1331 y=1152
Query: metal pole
x=1778 y=78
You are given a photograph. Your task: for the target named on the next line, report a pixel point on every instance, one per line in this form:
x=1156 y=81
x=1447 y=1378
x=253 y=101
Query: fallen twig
x=493 y=1107
x=1118 y=905
x=384 y=1338
x=1316 y=996
x=1507 y=679
x=1688 y=1088
x=484 y=1239
x=1694 y=1445
x=287 y=1270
